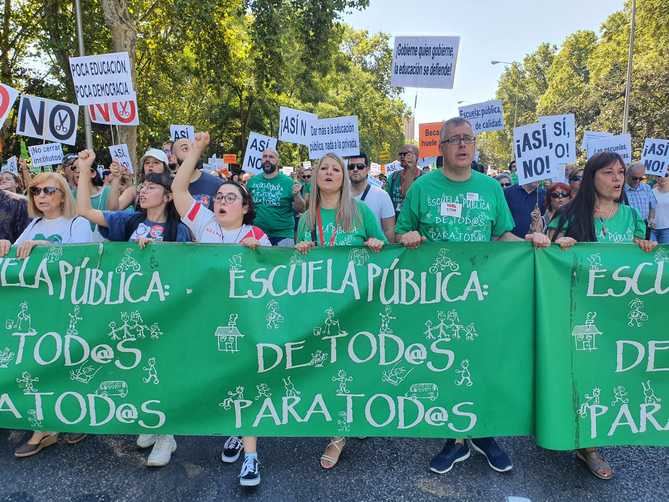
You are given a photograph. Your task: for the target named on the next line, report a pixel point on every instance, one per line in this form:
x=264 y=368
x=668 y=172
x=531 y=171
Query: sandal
x=338 y=444
x=74 y=438
x=599 y=467
x=28 y=449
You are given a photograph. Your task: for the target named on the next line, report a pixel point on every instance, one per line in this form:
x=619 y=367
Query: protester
x=661 y=191
x=203 y=186
x=558 y=195
x=10 y=182
x=504 y=180
x=513 y=172
x=526 y=203
x=575 y=177
x=640 y=195
x=229 y=223
x=399 y=181
x=97 y=193
x=376 y=199
x=335 y=218
x=13 y=210
x=477 y=212
x=67 y=167
x=171 y=158
x=55 y=222
x=153 y=161
x=276 y=198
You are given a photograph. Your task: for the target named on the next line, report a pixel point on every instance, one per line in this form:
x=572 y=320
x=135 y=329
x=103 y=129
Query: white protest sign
x=393 y=166
x=182 y=132
x=560 y=175
x=7 y=97
x=533 y=153
x=374 y=182
x=620 y=144
x=120 y=154
x=306 y=164
x=287 y=170
x=115 y=113
x=589 y=136
x=561 y=137
x=294 y=125
x=486 y=116
x=655 y=156
x=11 y=166
x=337 y=135
x=255 y=146
x=103 y=78
x=47 y=119
x=46 y=155
x=424 y=62
x=374 y=168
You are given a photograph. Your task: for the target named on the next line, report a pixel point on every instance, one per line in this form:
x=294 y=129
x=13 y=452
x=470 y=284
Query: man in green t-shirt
x=276 y=198
x=456 y=203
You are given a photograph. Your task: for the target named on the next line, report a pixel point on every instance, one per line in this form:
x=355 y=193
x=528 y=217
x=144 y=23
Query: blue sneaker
x=497 y=458
x=451 y=454
x=250 y=473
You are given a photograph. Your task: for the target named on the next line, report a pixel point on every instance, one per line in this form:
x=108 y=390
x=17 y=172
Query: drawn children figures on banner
x=290 y=390
x=6 y=357
x=273 y=317
x=84 y=373
x=235 y=262
x=34 y=422
x=263 y=391
x=443 y=262
x=54 y=254
x=386 y=317
x=23 y=321
x=343 y=426
x=619 y=396
x=636 y=316
x=74 y=320
x=331 y=324
x=595 y=261
x=589 y=400
x=233 y=395
x=396 y=375
x=649 y=396
x=128 y=263
x=151 y=372
x=465 y=374
x=358 y=256
x=342 y=379
x=27 y=382
x=318 y=358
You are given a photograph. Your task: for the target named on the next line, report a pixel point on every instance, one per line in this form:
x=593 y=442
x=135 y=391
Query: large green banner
x=441 y=341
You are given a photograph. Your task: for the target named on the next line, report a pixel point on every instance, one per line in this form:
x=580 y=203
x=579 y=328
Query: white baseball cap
x=156 y=154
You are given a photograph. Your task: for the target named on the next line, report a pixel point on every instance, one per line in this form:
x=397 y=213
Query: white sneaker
x=162 y=451
x=146 y=440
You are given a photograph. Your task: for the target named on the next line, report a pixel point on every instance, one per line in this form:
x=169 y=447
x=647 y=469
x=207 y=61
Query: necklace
x=601 y=219
x=235 y=240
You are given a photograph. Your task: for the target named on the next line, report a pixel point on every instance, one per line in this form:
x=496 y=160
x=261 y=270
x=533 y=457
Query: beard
x=268 y=167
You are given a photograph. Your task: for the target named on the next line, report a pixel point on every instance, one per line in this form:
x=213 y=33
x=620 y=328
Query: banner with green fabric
x=434 y=342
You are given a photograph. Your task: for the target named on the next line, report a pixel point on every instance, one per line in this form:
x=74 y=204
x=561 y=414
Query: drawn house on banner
x=585 y=335
x=228 y=336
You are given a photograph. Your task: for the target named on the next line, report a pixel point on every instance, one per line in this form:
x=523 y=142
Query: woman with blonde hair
x=55 y=221
x=335 y=218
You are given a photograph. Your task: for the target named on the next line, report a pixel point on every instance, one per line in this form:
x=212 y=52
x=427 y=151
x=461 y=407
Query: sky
x=488 y=30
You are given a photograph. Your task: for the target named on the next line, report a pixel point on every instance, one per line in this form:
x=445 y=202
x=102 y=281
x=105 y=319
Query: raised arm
x=183 y=200
x=84 y=208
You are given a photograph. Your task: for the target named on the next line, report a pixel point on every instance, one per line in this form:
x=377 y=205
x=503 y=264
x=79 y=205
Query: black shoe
x=231 y=449
x=497 y=458
x=250 y=473
x=451 y=454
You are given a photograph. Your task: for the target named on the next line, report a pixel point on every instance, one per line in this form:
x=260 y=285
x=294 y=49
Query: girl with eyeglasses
x=229 y=223
x=598 y=214
x=55 y=222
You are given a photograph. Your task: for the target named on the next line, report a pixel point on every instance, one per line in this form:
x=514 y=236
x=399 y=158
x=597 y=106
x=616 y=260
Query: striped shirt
x=641 y=198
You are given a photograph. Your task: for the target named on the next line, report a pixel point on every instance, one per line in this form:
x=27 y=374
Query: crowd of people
x=331 y=204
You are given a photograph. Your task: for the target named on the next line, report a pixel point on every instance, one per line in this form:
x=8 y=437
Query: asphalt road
x=111 y=468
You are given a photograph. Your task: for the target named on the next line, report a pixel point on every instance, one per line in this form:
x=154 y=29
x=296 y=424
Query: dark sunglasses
x=559 y=195
x=505 y=184
x=576 y=178
x=35 y=191
x=307 y=176
x=357 y=167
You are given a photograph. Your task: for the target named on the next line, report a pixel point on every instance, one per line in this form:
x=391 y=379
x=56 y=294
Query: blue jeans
x=662 y=235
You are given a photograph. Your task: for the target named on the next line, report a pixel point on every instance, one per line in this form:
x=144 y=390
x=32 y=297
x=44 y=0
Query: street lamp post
x=628 y=83
x=82 y=52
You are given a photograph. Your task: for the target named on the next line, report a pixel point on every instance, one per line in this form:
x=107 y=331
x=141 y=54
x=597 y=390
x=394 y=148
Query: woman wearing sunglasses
x=335 y=218
x=597 y=214
x=559 y=194
x=55 y=222
x=229 y=223
x=575 y=178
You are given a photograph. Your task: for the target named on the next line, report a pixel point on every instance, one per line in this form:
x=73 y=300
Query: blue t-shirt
x=204 y=189
x=522 y=204
x=117 y=220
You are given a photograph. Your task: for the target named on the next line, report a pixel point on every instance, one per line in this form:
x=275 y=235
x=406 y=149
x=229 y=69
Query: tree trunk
x=124 y=39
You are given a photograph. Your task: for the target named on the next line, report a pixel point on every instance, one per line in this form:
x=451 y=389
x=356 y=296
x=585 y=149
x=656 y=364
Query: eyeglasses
x=559 y=195
x=35 y=191
x=228 y=198
x=456 y=140
x=505 y=184
x=306 y=176
x=356 y=167
x=576 y=178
